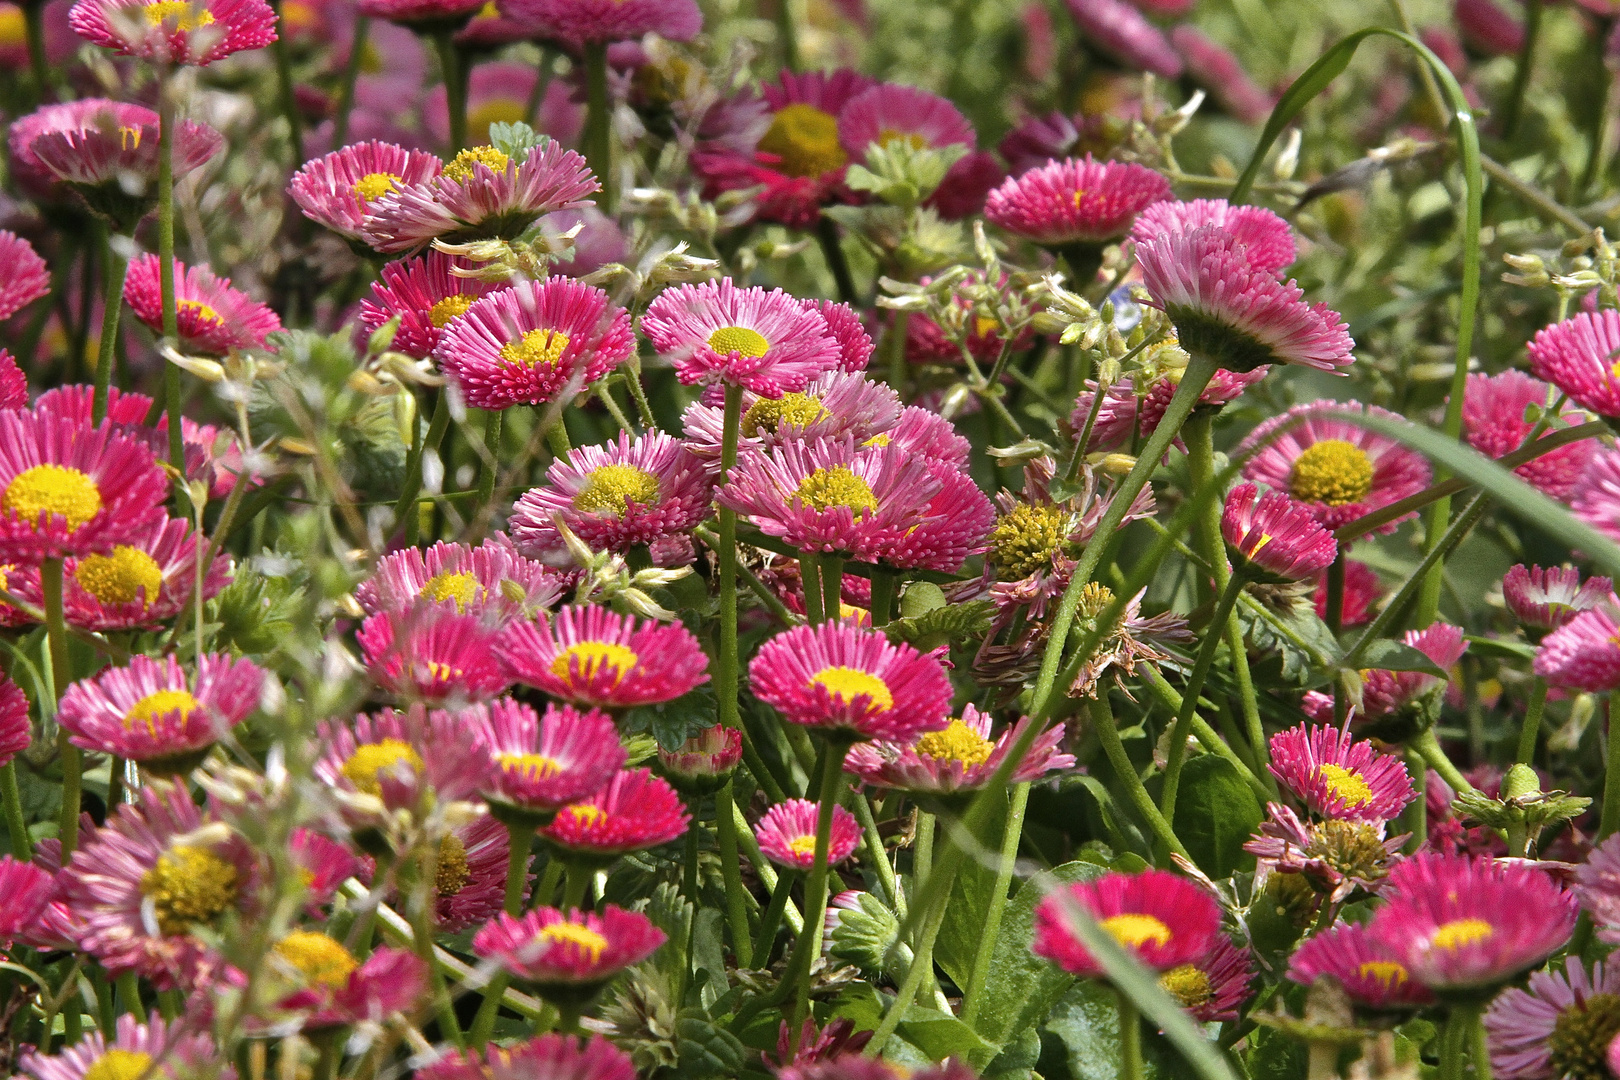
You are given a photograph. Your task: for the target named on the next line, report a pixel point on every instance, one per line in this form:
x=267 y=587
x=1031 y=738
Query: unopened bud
x=1520 y=780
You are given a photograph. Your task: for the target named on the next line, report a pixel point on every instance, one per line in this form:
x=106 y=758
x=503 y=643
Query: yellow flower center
x=1388 y=973
x=805 y=138
x=119 y=578
x=499 y=111
x=596 y=657
x=13 y=26
x=611 y=489
x=767 y=414
x=588 y=814
x=740 y=340
x=298 y=16
x=367 y=761
x=1333 y=472
x=199 y=310
x=909 y=138
x=118 y=1064
x=466 y=163
x=1346 y=784
x=837 y=486
x=880 y=439
x=1134 y=930
x=320 y=960
x=375 y=185
x=451 y=873
x=448 y=308
x=957 y=742
x=188 y=885
x=536 y=347
x=845 y=684
x=581 y=937
x=529 y=766
x=162 y=703
x=1460 y=932
x=1025 y=539
x=1187 y=985
x=463 y=588
x=52 y=489
x=803 y=846
x=186 y=16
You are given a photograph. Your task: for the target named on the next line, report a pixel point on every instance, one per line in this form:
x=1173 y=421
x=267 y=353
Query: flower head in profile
x=1075 y=201
x=1584 y=653
x=704 y=762
x=887 y=112
x=1494 y=409
x=832 y=405
x=1124 y=33
x=322 y=984
x=574 y=950
x=1162 y=919
x=1545 y=598
x=431 y=653
x=1227 y=310
x=635 y=811
x=426 y=295
x=960 y=758
x=190 y=32
x=25 y=890
x=540 y=764
x=766 y=342
x=424 y=16
x=1213 y=987
x=546 y=1057
x=595 y=657
x=1459 y=922
x=787 y=834
x=856 y=682
x=152 y=1049
x=24 y=276
x=1578 y=356
x=212 y=318
x=1274 y=537
x=1336 y=858
x=16 y=732
x=1338 y=777
x=1560 y=1025
x=575 y=23
x=1597 y=887
x=491 y=581
x=337 y=189
x=1267 y=240
x=1369 y=973
x=1388 y=696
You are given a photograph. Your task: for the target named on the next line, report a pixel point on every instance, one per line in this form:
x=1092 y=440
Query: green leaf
x=1500 y=648
x=941 y=626
x=963 y=928
x=1018 y=1059
x=1387 y=655
x=515 y=140
x=941 y=1035
x=1216 y=814
x=673 y=722
x=1087 y=1021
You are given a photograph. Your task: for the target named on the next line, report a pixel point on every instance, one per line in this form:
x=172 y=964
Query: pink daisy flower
x=541 y=764
x=960 y=758
x=324 y=865
x=1493 y=420
x=482 y=194
x=1075 y=201
x=192 y=32
x=1543 y=599
x=470 y=876
x=577 y=22
x=1369 y=973
x=139 y=885
x=15 y=730
x=1335 y=859
x=1488 y=28
x=322 y=984
x=432 y=654
x=491 y=581
x=534 y=342
x=547 y=1057
x=955 y=523
x=1040 y=139
x=151 y=1049
x=573 y=952
x=1584 y=653
x=1596 y=496
x=1333 y=465
x=1362 y=590
x=595 y=657
x=1162 y=919
x=212 y=318
x=1123 y=33
x=13 y=383
x=1459 y=923
x=1530 y=1031
x=1229 y=311
x=787 y=834
x=852 y=682
x=424 y=14
x=152 y=713
x=1276 y=537
x=337 y=189
x=767 y=342
x=888 y=111
x=425 y=294
x=1597 y=887
x=1578 y=356
x=704 y=762
x=70 y=490
x=24 y=276
x=1268 y=240
x=1338 y=777
x=635 y=811
x=401 y=760
x=1218 y=70
x=833 y=404
x=1386 y=694
x=854 y=343
x=614 y=496
x=926 y=434
x=25 y=890
x=1212 y=988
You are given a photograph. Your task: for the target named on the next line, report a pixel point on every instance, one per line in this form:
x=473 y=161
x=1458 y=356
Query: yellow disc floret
x=162 y=703
x=13 y=26
x=1188 y=985
x=199 y=311
x=740 y=340
x=318 y=959
x=466 y=163
x=373 y=186
x=769 y=414
x=1135 y=929
x=587 y=815
x=837 y=486
x=451 y=585
x=803 y=846
x=1333 y=472
x=498 y=111
x=580 y=937
x=1388 y=973
x=610 y=489
x=448 y=308
x=52 y=489
x=185 y=16
x=451 y=873
x=536 y=347
x=595 y=657
x=845 y=684
x=120 y=577
x=531 y=767
x=367 y=761
x=1025 y=539
x=1346 y=784
x=1458 y=933
x=805 y=140
x=118 y=1064
x=188 y=885
x=958 y=742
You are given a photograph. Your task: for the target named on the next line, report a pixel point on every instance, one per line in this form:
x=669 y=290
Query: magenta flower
x=1122 y=32
x=547 y=1057
x=323 y=864
x=613 y=497
x=25 y=890
x=191 y=32
x=1596 y=498
x=888 y=111
x=703 y=762
x=337 y=189
x=1162 y=919
x=1213 y=987
x=1543 y=599
x=1268 y=240
x=1369 y=973
x=1318 y=454
x=327 y=986
x=767 y=342
x=1494 y=422
x=152 y=713
x=577 y=951
x=534 y=343
x=1335 y=858
x=577 y=22
x=1584 y=653
x=853 y=682
x=1075 y=201
x=1039 y=139
x=13 y=383
x=424 y=15
x=1487 y=28
x=212 y=318
x=470 y=877
x=24 y=276
x=502 y=91
x=1578 y=356
x=491 y=581
x=70 y=490
x=1460 y=923
x=1218 y=70
x=1228 y=311
x=425 y=294
x=15 y=730
x=1337 y=777
x=960 y=758
x=1597 y=887
x=956 y=521
x=430 y=653
x=1532 y=1032
x=541 y=764
x=151 y=1049
x=1385 y=694
x=787 y=834
x=854 y=343
x=596 y=657
x=1277 y=538
x=635 y=811
x=394 y=761
x=832 y=405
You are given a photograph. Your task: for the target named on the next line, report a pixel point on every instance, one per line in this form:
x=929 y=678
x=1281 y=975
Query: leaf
x=515 y=140
x=705 y=1049
x=1502 y=649
x=1216 y=814
x=1387 y=655
x=1087 y=1021
x=941 y=626
x=963 y=928
x=673 y=722
x=1018 y=1059
x=941 y=1035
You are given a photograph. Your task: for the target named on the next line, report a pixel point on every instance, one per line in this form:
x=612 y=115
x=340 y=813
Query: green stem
x=832 y=249
x=832 y=587
x=1176 y=755
x=877 y=855
x=1130 y=1038
x=810 y=585
x=892 y=351
x=288 y=100
x=50 y=586
x=726 y=682
x=34 y=28
x=808 y=946
x=405 y=510
x=422 y=937
x=546 y=887
x=557 y=437
x=787 y=35
x=1198 y=434
x=1603 y=117
x=171 y=330
x=1335 y=592
x=1478 y=1045
x=112 y=305
x=1435 y=758
x=598 y=138
x=578 y=882
x=455 y=90
x=885 y=583
x=1513 y=108
x=979 y=973
x=351 y=72
x=1610 y=818
x=129 y=994
x=21 y=848
x=1206 y=735
x=1531 y=731
x=731 y=876
x=1102 y=724
x=921 y=967
x=519 y=840
x=772 y=919
x=492 y=467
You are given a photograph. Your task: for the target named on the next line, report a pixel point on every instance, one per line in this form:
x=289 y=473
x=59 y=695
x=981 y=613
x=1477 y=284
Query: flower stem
x=772 y=919
x=171 y=325
x=491 y=467
x=1435 y=758
x=1513 y=108
x=1478 y=1046
x=979 y=973
x=1531 y=731
x=578 y=882
x=1130 y=1037
x=1176 y=755
x=832 y=249
x=892 y=348
x=832 y=587
x=922 y=963
x=455 y=91
x=288 y=100
x=1610 y=818
x=885 y=583
x=351 y=72
x=50 y=586
x=519 y=839
x=34 y=28
x=598 y=139
x=810 y=585
x=112 y=304
x=726 y=678
x=405 y=510
x=21 y=849
x=1107 y=732
x=808 y=947
x=731 y=875
x=1335 y=593
x=787 y=35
